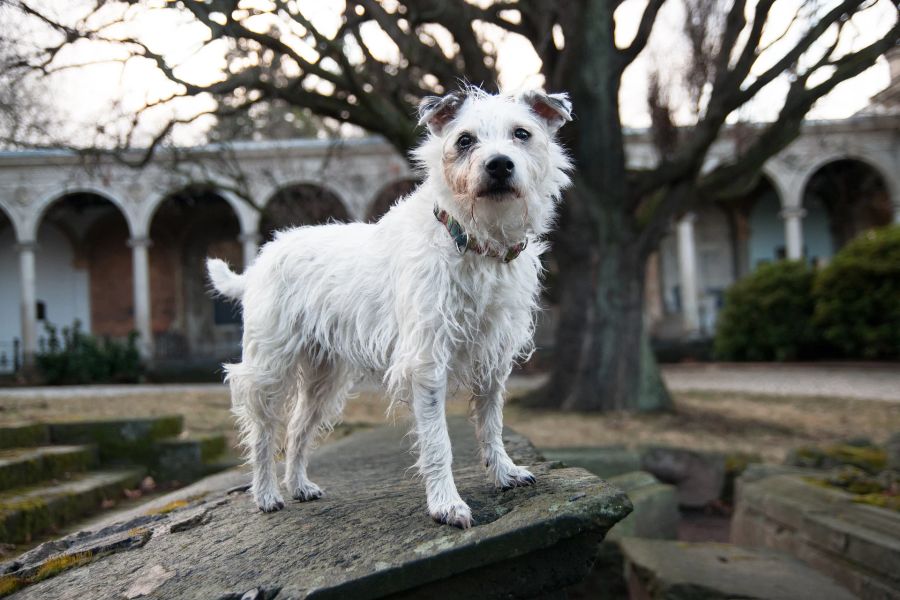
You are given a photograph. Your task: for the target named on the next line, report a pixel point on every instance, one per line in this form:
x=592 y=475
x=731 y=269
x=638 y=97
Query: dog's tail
x=224 y=280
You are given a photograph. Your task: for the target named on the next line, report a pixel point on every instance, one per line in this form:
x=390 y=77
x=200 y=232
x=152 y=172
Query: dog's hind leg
x=435 y=453
x=258 y=409
x=320 y=401
x=488 y=409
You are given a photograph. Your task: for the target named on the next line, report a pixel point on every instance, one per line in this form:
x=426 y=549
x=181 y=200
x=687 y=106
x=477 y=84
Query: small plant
x=857 y=297
x=77 y=358
x=768 y=315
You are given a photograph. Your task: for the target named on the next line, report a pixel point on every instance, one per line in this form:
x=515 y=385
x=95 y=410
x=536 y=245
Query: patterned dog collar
x=466 y=242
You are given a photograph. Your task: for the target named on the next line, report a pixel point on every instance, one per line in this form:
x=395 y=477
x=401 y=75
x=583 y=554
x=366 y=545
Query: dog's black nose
x=500 y=167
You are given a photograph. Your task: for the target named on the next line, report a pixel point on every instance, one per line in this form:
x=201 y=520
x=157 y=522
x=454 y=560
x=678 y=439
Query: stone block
x=23 y=435
x=699 y=476
x=655 y=513
x=119 y=441
x=856 y=544
x=369 y=537
x=668 y=570
x=602 y=461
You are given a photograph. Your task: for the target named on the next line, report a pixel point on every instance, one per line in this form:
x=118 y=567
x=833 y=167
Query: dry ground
x=730 y=421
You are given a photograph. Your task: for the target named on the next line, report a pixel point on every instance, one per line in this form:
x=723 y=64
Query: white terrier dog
x=442 y=290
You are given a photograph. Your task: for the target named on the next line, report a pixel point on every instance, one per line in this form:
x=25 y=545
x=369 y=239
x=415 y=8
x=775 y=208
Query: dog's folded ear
x=554 y=109
x=436 y=111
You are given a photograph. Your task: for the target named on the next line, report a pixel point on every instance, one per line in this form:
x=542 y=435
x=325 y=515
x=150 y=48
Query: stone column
x=140 y=262
x=687 y=273
x=793 y=231
x=897 y=212
x=28 y=288
x=250 y=242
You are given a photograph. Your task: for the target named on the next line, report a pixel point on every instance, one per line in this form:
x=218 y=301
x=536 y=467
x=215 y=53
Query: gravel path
x=872 y=382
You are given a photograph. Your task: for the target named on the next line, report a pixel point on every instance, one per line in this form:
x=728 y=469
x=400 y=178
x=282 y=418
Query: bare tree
x=613 y=218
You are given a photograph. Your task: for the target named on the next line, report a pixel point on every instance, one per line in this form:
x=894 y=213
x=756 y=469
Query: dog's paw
x=307 y=491
x=269 y=502
x=514 y=477
x=457 y=514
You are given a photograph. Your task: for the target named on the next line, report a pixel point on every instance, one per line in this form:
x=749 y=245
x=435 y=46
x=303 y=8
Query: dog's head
x=495 y=159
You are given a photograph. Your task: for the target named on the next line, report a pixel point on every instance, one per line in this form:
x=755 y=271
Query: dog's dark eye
x=521 y=134
x=464 y=141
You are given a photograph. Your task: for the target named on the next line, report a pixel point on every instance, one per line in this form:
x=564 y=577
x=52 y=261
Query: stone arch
x=82 y=262
x=30 y=228
x=242 y=209
x=842 y=197
x=302 y=203
x=388 y=195
x=188 y=225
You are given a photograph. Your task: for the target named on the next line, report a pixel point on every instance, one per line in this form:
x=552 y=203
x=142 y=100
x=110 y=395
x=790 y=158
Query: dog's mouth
x=497 y=191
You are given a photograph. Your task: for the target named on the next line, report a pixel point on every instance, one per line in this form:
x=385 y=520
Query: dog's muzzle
x=498 y=171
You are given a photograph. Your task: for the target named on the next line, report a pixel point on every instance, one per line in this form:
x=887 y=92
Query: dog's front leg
x=489 y=430
x=435 y=454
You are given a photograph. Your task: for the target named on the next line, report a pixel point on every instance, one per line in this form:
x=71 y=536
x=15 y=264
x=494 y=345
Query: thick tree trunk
x=602 y=359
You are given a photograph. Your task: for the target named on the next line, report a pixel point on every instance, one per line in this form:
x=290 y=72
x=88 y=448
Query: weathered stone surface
x=678 y=570
x=655 y=513
x=186 y=459
x=23 y=435
x=369 y=537
x=857 y=544
x=130 y=440
x=26 y=466
x=892 y=448
x=699 y=476
x=27 y=511
x=602 y=461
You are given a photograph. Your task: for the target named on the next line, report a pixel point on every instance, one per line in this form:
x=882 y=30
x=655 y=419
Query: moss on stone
x=128 y=441
x=55 y=565
x=869 y=458
x=23 y=435
x=890 y=502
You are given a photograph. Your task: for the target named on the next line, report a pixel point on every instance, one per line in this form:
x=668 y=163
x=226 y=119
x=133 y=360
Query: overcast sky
x=85 y=96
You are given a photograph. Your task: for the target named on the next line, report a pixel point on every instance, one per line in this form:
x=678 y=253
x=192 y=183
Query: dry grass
x=763 y=425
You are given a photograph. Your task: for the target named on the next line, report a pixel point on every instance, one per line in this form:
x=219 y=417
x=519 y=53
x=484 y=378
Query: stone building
x=120 y=249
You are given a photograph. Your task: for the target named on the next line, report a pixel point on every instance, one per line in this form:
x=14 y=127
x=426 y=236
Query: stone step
x=670 y=570
x=26 y=466
x=856 y=543
x=23 y=435
x=119 y=441
x=189 y=458
x=26 y=512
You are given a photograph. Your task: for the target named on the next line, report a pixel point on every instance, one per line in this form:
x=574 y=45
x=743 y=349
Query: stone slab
x=119 y=441
x=669 y=570
x=699 y=476
x=857 y=544
x=29 y=511
x=369 y=537
x=602 y=461
x=23 y=435
x=655 y=513
x=26 y=466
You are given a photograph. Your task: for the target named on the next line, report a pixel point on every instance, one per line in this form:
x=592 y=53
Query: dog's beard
x=497 y=191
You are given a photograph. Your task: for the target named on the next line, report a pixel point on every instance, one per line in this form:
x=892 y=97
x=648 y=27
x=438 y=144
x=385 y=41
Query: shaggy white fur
x=327 y=305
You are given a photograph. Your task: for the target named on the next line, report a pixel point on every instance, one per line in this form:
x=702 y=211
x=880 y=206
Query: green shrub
x=81 y=358
x=857 y=297
x=768 y=315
